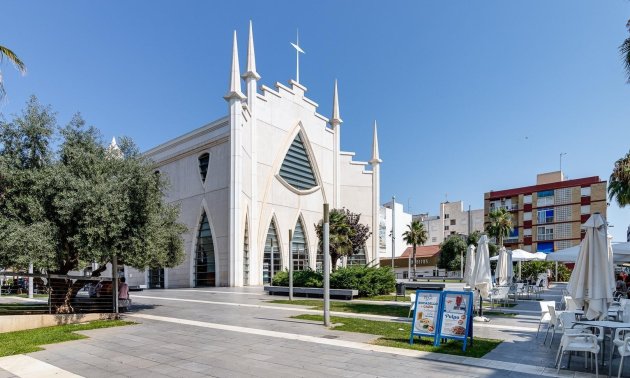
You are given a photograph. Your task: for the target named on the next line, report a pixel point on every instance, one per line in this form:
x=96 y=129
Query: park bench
x=314 y=292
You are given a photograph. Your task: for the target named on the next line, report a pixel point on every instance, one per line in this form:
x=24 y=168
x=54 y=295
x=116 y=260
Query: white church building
x=244 y=180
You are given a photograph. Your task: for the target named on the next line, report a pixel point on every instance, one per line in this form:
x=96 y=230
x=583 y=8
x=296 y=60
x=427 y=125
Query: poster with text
x=454 y=316
x=427 y=305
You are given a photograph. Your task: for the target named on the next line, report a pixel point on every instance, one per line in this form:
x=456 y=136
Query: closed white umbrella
x=510 y=267
x=482 y=278
x=469 y=269
x=592 y=282
x=502 y=267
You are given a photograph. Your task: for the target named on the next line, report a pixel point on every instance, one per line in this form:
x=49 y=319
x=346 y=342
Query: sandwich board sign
x=426 y=314
x=455 y=317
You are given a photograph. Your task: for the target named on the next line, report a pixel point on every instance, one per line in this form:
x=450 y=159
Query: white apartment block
x=453 y=219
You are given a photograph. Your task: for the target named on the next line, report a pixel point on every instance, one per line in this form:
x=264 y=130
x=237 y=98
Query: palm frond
x=13 y=58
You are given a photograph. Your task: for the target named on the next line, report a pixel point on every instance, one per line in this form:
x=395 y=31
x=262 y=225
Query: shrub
x=533 y=268
x=369 y=281
x=301 y=278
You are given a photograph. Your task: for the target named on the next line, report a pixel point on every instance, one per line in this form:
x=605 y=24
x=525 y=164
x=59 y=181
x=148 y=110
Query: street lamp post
x=393 y=230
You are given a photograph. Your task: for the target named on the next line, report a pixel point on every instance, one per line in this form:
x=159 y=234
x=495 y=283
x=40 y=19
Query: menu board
x=426 y=313
x=455 y=315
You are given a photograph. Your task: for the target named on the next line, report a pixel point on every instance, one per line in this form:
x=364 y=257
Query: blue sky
x=469 y=96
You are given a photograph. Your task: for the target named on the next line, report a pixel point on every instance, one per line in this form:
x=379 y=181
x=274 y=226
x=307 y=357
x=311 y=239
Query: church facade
x=246 y=179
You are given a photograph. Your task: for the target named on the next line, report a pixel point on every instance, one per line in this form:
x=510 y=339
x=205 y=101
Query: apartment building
x=547 y=216
x=453 y=219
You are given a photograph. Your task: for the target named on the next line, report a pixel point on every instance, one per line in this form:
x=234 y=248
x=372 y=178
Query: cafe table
x=606 y=324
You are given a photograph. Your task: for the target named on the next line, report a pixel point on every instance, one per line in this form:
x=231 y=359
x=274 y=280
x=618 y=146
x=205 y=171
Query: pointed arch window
x=204 y=160
x=300 y=248
x=246 y=256
x=272 y=259
x=204 y=255
x=297 y=169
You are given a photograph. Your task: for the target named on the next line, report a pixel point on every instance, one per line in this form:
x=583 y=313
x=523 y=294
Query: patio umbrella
x=482 y=278
x=469 y=269
x=502 y=267
x=510 y=267
x=592 y=282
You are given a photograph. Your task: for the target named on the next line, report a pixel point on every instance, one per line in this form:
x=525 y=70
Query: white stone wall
x=402 y=220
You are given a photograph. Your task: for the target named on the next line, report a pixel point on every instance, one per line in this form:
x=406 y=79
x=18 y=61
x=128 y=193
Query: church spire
x=335 y=119
x=234 y=91
x=375 y=156
x=251 y=56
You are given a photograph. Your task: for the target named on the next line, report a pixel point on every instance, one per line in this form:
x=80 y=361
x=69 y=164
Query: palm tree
x=340 y=236
x=624 y=49
x=500 y=224
x=415 y=234
x=5 y=53
x=619 y=182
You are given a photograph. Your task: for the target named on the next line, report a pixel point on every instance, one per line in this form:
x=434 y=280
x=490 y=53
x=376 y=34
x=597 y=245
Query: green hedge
x=369 y=281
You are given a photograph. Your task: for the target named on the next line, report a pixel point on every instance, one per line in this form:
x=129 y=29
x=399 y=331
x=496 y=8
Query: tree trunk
x=414 y=261
x=333 y=261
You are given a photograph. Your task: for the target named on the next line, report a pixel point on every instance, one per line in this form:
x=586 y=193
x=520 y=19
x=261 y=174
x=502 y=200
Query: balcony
x=511 y=239
x=543 y=220
x=543 y=237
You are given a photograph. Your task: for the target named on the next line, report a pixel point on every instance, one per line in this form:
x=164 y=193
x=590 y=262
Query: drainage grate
x=330 y=337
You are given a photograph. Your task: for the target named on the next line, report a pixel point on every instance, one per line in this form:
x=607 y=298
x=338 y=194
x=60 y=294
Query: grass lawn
x=386 y=298
x=29 y=340
x=397 y=335
x=360 y=308
x=499 y=313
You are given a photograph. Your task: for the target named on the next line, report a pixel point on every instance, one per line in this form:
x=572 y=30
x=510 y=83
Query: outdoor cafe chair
x=412 y=306
x=554 y=324
x=544 y=315
x=581 y=342
x=623 y=348
x=499 y=293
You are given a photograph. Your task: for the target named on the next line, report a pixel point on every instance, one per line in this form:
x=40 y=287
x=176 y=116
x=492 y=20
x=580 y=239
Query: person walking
x=123 y=295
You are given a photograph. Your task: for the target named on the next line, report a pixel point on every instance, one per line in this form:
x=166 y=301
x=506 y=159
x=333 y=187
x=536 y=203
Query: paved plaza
x=236 y=332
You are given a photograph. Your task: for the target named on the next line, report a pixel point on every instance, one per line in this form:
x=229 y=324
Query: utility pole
x=326 y=252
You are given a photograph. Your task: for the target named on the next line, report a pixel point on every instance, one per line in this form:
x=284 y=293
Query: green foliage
x=63 y=209
x=5 y=53
x=28 y=341
x=347 y=234
x=450 y=251
x=473 y=238
x=624 y=51
x=368 y=280
x=301 y=278
x=619 y=182
x=500 y=224
x=533 y=268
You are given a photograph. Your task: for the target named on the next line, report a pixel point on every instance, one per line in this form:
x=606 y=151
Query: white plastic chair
x=582 y=342
x=623 y=349
x=544 y=315
x=499 y=293
x=412 y=306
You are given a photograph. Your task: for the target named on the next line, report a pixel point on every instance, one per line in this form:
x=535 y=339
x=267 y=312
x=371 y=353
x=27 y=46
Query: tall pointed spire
x=234 y=91
x=375 y=156
x=335 y=119
x=251 y=56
